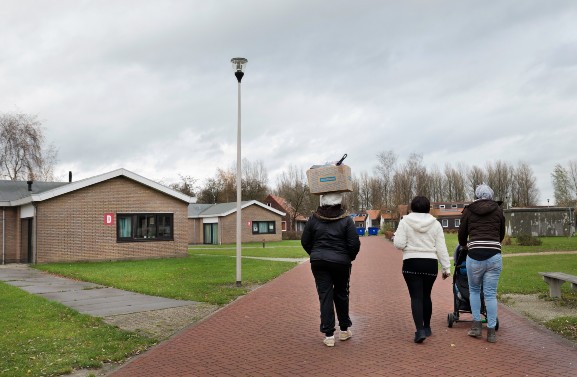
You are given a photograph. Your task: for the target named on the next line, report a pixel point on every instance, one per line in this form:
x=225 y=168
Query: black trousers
x=420 y=275
x=332 y=281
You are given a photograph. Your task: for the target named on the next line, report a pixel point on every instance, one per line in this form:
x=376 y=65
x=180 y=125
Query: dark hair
x=420 y=204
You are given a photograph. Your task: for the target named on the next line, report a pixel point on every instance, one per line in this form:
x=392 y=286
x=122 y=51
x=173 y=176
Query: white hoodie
x=420 y=235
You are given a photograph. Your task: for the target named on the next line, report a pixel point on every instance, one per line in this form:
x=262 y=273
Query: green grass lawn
x=207 y=278
x=282 y=249
x=45 y=338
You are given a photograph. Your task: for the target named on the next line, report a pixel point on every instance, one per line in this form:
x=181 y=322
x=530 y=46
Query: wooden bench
x=556 y=279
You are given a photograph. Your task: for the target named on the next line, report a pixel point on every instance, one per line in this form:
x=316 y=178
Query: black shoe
x=428 y=332
x=420 y=336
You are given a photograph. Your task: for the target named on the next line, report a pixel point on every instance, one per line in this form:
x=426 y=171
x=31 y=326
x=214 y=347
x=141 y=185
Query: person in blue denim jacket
x=481 y=231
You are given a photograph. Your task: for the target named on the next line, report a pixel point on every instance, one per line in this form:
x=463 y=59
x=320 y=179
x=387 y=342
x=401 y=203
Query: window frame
x=256 y=227
x=145 y=226
x=445 y=223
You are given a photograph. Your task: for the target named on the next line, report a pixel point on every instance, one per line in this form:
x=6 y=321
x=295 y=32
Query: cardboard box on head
x=330 y=178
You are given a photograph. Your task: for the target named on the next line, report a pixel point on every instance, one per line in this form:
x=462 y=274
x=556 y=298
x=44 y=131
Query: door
x=210 y=234
x=26 y=241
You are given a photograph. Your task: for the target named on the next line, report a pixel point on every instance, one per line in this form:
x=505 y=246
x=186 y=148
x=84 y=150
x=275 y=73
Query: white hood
x=420 y=222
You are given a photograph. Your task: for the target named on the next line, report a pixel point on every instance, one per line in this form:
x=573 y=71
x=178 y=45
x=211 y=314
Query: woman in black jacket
x=331 y=240
x=481 y=232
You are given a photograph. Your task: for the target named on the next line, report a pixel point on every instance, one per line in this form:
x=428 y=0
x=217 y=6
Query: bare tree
x=23 y=154
x=364 y=192
x=254 y=180
x=475 y=177
x=437 y=185
x=524 y=188
x=293 y=187
x=385 y=169
x=562 y=186
x=500 y=178
x=455 y=184
x=187 y=185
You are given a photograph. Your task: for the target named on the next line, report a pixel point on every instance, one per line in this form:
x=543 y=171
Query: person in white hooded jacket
x=420 y=236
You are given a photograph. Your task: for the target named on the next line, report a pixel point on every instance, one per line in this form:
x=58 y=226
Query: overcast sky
x=148 y=85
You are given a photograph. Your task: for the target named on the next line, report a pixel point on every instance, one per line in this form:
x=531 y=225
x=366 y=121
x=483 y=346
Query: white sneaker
x=329 y=341
x=345 y=335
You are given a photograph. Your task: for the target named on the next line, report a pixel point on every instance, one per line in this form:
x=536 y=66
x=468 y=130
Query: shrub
x=507 y=240
x=528 y=240
x=291 y=235
x=389 y=234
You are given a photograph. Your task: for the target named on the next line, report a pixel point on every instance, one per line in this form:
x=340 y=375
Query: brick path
x=273 y=331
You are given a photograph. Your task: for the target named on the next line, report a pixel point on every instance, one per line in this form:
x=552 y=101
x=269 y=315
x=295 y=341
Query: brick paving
x=274 y=331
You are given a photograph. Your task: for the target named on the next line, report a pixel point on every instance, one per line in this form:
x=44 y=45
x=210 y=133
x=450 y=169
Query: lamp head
x=238 y=65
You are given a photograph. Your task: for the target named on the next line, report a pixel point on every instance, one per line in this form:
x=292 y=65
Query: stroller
x=461 y=291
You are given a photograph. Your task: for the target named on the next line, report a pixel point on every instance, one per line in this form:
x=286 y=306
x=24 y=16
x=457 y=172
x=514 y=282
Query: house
x=361 y=220
x=374 y=218
x=448 y=214
x=216 y=223
x=540 y=221
x=389 y=219
x=114 y=216
x=282 y=205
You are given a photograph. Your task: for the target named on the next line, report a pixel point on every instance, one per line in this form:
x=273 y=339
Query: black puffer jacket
x=330 y=235
x=482 y=220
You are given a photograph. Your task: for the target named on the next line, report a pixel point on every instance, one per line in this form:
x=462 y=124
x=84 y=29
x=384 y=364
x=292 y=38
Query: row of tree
x=24 y=156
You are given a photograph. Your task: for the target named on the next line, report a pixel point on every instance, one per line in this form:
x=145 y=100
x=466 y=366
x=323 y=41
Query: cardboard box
x=330 y=178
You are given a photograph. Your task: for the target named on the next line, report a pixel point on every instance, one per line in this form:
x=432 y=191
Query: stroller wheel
x=450 y=319
x=497 y=325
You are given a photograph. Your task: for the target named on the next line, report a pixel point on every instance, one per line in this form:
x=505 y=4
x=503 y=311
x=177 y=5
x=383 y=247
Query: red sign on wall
x=109 y=219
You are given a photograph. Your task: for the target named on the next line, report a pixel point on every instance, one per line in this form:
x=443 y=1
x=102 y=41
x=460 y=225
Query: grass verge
x=44 y=338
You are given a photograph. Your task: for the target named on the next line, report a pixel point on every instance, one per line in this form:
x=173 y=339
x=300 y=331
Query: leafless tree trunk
x=293 y=187
x=385 y=169
x=475 y=177
x=255 y=180
x=524 y=188
x=23 y=154
x=499 y=178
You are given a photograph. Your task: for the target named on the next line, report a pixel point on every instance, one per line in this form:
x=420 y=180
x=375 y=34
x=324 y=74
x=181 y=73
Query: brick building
x=216 y=223
x=114 y=216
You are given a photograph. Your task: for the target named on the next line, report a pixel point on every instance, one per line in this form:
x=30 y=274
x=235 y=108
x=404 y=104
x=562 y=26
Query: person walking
x=481 y=232
x=331 y=240
x=420 y=236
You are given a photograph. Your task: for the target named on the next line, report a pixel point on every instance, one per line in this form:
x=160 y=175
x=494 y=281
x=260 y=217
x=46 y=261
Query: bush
x=389 y=234
x=507 y=240
x=291 y=235
x=528 y=240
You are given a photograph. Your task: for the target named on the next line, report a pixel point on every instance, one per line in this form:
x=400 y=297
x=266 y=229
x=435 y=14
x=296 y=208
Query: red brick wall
x=11 y=238
x=71 y=227
x=195 y=231
x=227 y=225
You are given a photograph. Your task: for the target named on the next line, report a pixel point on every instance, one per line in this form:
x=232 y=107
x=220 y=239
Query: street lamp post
x=238 y=65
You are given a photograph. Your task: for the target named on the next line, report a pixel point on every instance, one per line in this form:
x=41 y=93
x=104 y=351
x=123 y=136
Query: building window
x=136 y=227
x=445 y=223
x=441 y=206
x=283 y=226
x=453 y=206
x=457 y=222
x=263 y=227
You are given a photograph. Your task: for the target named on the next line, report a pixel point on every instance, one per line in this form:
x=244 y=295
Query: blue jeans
x=484 y=274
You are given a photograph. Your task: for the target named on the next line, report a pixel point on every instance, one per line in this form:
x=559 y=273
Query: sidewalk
x=274 y=331
x=87 y=298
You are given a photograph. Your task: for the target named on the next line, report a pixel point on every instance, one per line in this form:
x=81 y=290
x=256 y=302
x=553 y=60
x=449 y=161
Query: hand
x=446 y=275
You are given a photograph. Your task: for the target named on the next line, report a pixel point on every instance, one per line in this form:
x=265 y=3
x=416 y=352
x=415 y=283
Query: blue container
x=373 y=231
x=361 y=231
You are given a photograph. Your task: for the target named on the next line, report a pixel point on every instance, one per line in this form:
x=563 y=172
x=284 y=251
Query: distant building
x=540 y=221
x=216 y=223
